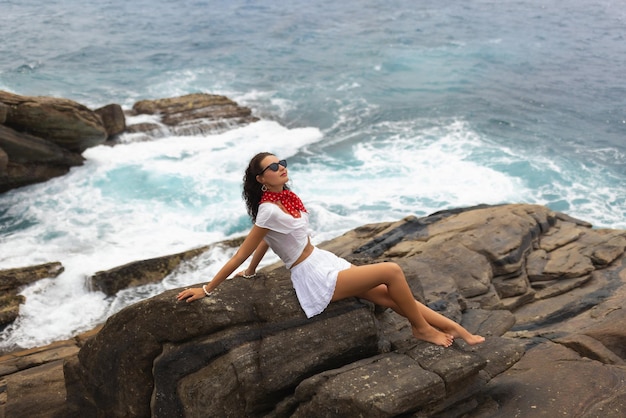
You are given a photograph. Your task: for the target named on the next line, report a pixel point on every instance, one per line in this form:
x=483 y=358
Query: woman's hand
x=191 y=294
x=253 y=241
x=245 y=274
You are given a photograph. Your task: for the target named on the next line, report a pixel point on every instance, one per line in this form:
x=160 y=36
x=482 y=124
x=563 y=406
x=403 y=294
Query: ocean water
x=383 y=108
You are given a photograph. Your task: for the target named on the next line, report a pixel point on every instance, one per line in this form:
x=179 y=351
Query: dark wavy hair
x=251 y=187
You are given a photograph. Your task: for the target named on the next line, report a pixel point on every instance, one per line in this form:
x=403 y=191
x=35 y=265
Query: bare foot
x=433 y=335
x=473 y=339
x=460 y=332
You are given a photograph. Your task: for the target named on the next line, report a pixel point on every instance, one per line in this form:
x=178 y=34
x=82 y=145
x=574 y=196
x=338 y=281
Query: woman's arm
x=260 y=251
x=252 y=242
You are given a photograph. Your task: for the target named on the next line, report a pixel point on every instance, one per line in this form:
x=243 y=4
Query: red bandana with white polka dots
x=290 y=201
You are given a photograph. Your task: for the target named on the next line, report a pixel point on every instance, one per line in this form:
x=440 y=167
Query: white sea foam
x=127 y=203
x=410 y=172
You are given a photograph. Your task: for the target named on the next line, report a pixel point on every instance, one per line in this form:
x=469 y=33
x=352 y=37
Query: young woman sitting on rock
x=318 y=276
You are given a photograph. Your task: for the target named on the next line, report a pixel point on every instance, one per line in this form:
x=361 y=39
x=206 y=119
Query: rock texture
x=140 y=272
x=545 y=289
x=13 y=279
x=61 y=121
x=32 y=383
x=192 y=114
x=43 y=137
x=113 y=119
x=152 y=270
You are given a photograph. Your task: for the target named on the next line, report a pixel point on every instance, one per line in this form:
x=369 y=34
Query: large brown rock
x=113 y=119
x=42 y=138
x=152 y=270
x=44 y=403
x=10 y=307
x=4 y=162
x=26 y=159
x=553 y=380
x=24 y=148
x=555 y=344
x=12 y=279
x=4 y=109
x=192 y=114
x=19 y=175
x=64 y=122
x=269 y=348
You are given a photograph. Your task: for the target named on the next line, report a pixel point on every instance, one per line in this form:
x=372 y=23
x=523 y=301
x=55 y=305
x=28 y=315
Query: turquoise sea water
x=383 y=108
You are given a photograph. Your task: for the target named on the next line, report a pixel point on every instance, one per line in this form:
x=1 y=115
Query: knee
x=395 y=270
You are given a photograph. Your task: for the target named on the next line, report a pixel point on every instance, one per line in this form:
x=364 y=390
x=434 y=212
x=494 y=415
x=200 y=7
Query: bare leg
x=359 y=280
x=380 y=296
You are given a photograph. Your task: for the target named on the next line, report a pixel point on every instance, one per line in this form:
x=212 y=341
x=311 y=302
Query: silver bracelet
x=205 y=291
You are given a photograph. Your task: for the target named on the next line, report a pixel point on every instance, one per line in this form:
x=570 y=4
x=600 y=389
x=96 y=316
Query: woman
x=319 y=277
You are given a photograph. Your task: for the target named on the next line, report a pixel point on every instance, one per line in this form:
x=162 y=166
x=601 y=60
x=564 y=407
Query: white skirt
x=314 y=280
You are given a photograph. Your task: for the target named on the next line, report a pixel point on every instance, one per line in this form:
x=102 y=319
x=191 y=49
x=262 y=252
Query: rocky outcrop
x=192 y=114
x=4 y=109
x=32 y=383
x=61 y=121
x=4 y=162
x=43 y=137
x=24 y=149
x=113 y=119
x=545 y=289
x=13 y=279
x=518 y=274
x=152 y=270
x=141 y=272
x=28 y=159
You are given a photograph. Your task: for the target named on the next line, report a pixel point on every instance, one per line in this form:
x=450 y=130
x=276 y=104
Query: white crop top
x=287 y=236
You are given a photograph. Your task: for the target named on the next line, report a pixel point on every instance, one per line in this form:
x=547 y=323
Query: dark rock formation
x=4 y=162
x=113 y=119
x=23 y=148
x=140 y=272
x=61 y=121
x=13 y=279
x=27 y=159
x=4 y=109
x=42 y=137
x=248 y=350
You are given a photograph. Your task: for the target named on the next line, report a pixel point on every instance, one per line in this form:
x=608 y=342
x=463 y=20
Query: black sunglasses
x=274 y=166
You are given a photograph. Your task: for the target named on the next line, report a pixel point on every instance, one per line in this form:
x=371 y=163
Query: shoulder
x=266 y=211
x=268 y=207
